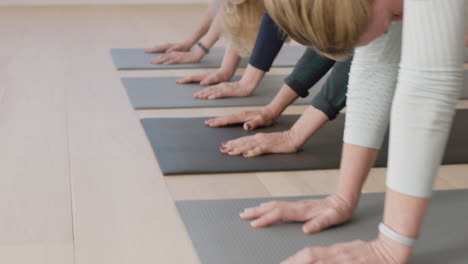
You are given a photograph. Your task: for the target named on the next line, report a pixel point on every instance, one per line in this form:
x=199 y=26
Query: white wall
x=93 y=2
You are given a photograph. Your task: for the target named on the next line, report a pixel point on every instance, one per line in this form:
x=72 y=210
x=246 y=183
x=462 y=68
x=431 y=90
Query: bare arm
x=199 y=32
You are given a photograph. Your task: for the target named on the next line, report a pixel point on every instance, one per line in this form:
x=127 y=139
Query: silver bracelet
x=386 y=231
x=202 y=47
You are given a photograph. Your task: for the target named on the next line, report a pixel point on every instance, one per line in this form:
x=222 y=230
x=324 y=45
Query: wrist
x=226 y=73
x=251 y=78
x=198 y=52
x=298 y=136
x=350 y=202
x=392 y=251
x=272 y=110
x=189 y=43
x=344 y=207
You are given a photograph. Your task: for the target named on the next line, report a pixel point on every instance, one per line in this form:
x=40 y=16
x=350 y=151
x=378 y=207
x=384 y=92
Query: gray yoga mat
x=137 y=59
x=187 y=146
x=164 y=92
x=220 y=236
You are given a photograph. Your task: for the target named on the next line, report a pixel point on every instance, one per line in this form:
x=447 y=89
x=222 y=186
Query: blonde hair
x=241 y=23
x=332 y=27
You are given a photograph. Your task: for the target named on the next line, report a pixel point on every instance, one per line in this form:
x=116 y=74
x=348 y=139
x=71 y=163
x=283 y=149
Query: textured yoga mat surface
x=220 y=236
x=187 y=146
x=137 y=59
x=164 y=92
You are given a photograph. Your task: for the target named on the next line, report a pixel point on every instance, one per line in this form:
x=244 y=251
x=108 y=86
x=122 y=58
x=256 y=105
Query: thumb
x=190 y=79
x=319 y=223
x=254 y=123
x=157 y=49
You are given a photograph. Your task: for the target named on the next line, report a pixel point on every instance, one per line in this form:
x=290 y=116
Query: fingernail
x=247 y=127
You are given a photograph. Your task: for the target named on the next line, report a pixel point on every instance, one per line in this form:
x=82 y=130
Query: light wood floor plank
x=123 y=212
x=36 y=224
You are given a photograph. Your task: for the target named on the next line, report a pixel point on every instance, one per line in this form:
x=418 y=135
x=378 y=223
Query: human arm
x=324 y=107
x=228 y=67
x=269 y=41
x=199 y=32
x=196 y=53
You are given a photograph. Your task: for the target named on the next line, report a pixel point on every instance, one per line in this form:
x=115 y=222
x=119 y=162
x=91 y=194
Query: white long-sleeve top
x=420 y=93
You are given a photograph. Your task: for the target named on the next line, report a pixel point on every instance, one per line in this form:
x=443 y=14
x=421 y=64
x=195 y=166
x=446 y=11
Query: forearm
x=370 y=92
x=214 y=32
x=356 y=162
x=205 y=24
x=230 y=62
x=251 y=78
x=310 y=122
x=430 y=81
x=282 y=100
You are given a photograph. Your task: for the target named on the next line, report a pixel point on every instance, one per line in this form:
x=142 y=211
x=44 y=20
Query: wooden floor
x=78 y=180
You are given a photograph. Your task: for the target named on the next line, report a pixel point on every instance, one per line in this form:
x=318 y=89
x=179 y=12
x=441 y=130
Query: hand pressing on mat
x=381 y=250
x=244 y=87
x=251 y=119
x=224 y=73
x=318 y=214
x=170 y=47
x=207 y=78
x=262 y=143
x=288 y=141
x=179 y=57
x=223 y=90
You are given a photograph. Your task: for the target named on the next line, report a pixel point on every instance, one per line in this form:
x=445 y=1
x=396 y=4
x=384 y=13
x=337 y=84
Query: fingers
x=256 y=212
x=158 y=49
x=218 y=91
x=191 y=79
x=226 y=120
x=257 y=151
x=270 y=213
x=231 y=119
x=232 y=145
x=320 y=222
x=161 y=59
x=258 y=121
x=169 y=58
x=307 y=256
x=271 y=217
x=210 y=80
x=211 y=92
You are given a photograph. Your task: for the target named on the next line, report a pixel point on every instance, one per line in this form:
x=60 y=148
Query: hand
x=226 y=89
x=207 y=78
x=261 y=143
x=380 y=251
x=179 y=57
x=169 y=47
x=251 y=119
x=318 y=214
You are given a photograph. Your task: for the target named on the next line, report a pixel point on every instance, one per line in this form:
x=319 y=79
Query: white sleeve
x=371 y=87
x=429 y=85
